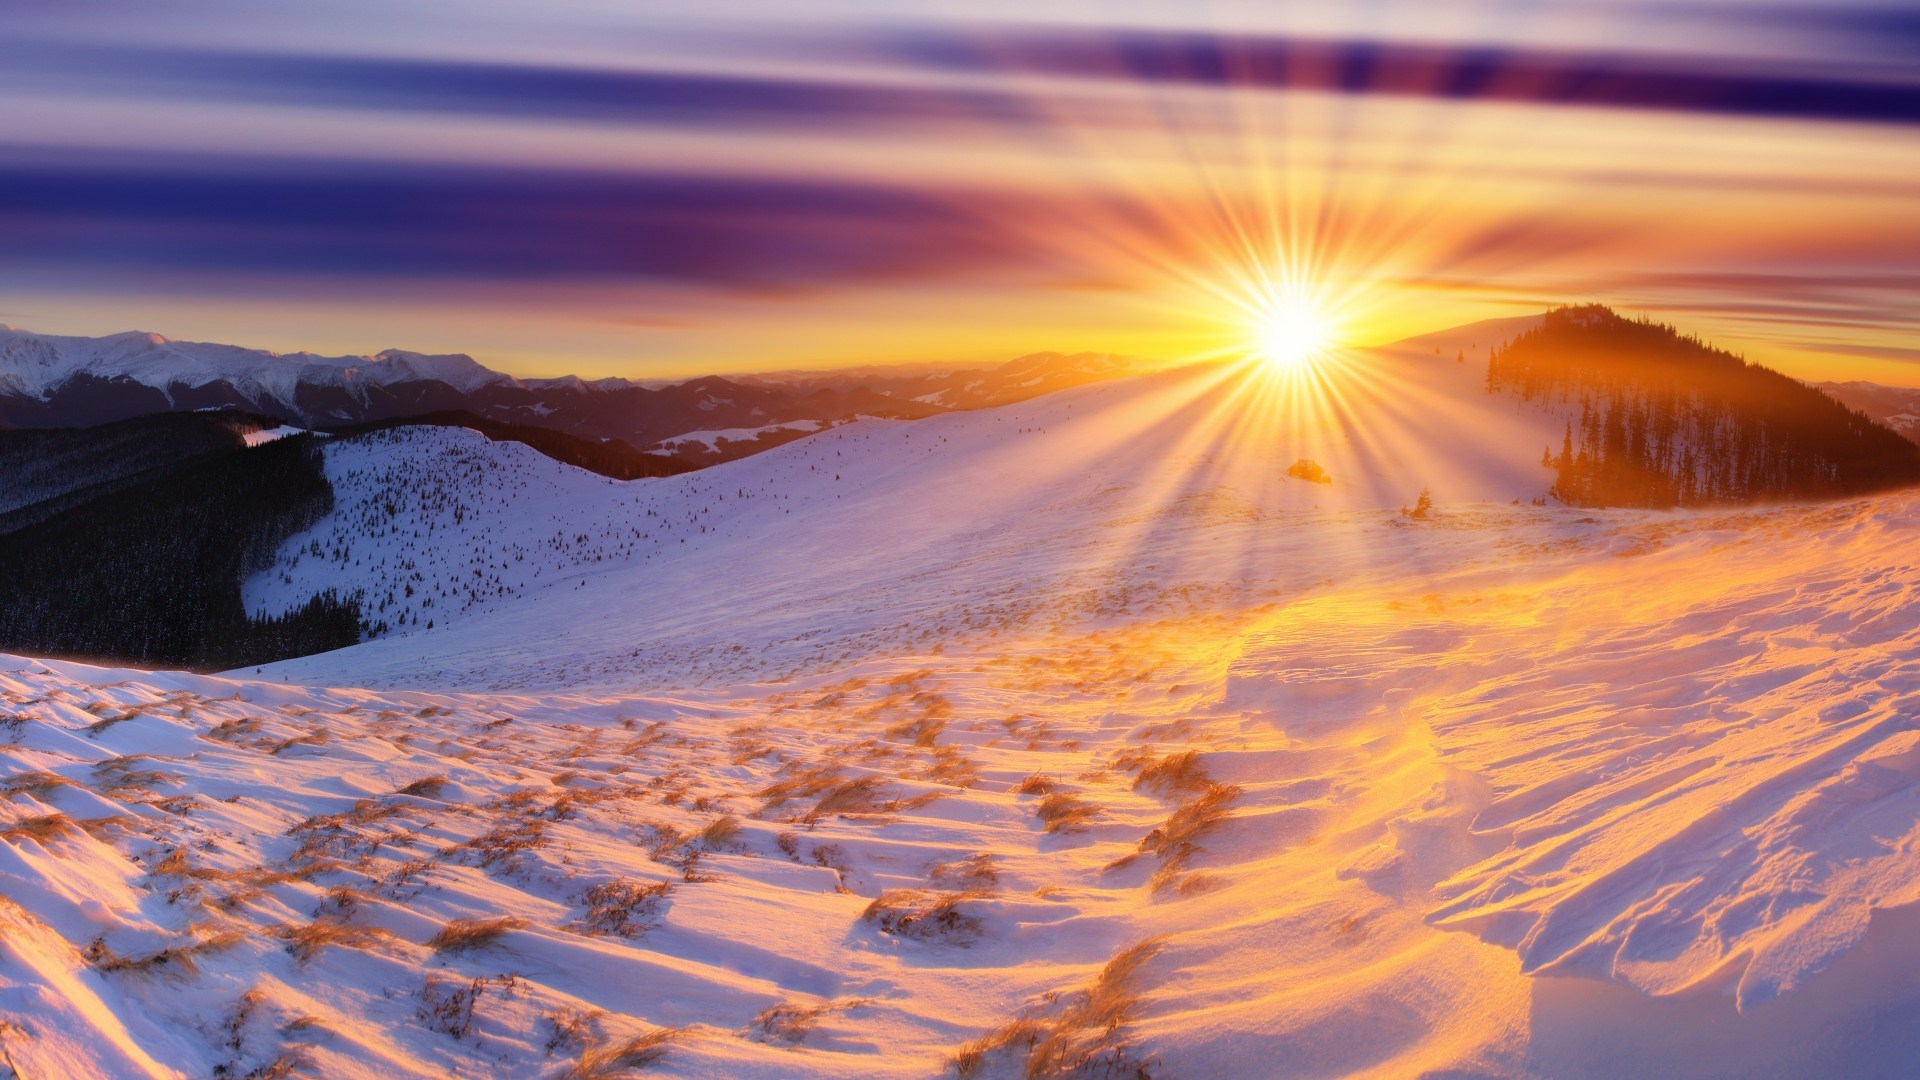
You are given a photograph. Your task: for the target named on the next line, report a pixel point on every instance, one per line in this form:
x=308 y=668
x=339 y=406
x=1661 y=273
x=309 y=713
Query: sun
x=1291 y=334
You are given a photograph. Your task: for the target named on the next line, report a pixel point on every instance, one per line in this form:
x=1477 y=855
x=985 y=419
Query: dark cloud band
x=388 y=221
x=1451 y=72
x=1405 y=69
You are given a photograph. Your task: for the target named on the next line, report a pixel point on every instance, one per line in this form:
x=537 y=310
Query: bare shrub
x=624 y=908
x=571 y=1027
x=789 y=1023
x=925 y=915
x=446 y=1005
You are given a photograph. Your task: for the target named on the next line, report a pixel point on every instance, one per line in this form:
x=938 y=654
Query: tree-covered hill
x=1663 y=419
x=150 y=573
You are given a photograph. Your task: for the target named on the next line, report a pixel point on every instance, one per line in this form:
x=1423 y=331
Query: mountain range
x=1894 y=407
x=49 y=380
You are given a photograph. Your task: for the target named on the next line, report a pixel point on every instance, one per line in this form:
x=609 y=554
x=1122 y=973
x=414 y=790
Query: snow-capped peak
x=37 y=365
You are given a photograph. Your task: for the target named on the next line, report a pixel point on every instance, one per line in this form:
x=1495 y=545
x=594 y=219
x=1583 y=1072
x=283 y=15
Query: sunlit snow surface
x=1515 y=791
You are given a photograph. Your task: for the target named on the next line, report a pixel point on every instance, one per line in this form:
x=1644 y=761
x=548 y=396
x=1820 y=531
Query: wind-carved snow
x=1072 y=733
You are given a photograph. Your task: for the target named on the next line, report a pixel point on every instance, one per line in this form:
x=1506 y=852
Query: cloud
x=499 y=89
x=1896 y=353
x=1518 y=74
x=82 y=212
x=918 y=90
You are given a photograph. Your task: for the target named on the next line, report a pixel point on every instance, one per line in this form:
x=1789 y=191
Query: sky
x=665 y=189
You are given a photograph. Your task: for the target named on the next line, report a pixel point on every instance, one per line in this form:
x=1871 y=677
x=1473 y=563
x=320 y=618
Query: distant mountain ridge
x=1894 y=407
x=49 y=380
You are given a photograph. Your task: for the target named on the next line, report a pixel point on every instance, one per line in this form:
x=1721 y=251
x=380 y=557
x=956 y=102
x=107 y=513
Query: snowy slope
x=1068 y=739
x=1480 y=807
x=853 y=539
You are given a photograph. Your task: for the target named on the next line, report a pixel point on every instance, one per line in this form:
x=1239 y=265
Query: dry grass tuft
x=866 y=795
x=230 y=730
x=1065 y=812
x=1177 y=841
x=311 y=738
x=609 y=1060
x=1072 y=1036
x=861 y=795
x=467 y=935
x=504 y=844
x=37 y=784
x=427 y=787
x=1037 y=785
x=920 y=732
x=975 y=873
x=304 y=941
x=42 y=828
x=339 y=902
x=1175 y=774
x=176 y=959
x=790 y=1023
x=103 y=828
x=951 y=767
x=720 y=834
x=797 y=780
x=105 y=723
